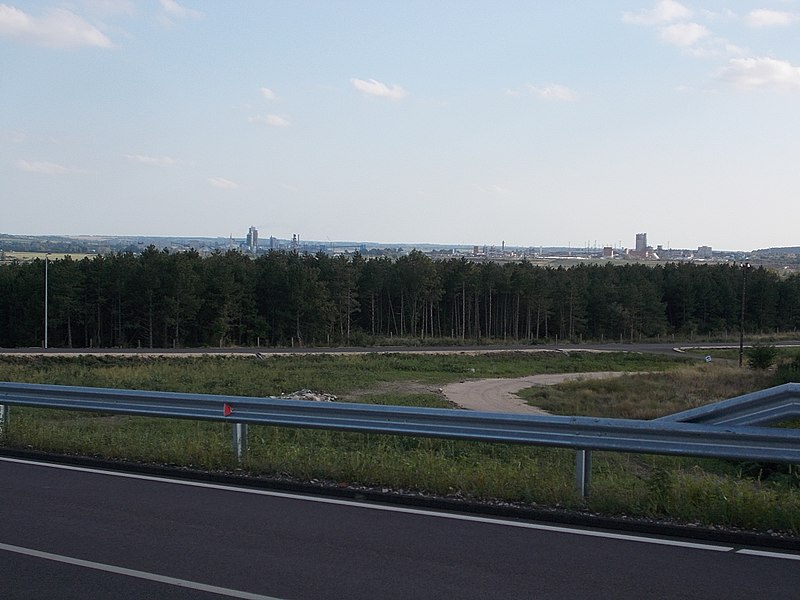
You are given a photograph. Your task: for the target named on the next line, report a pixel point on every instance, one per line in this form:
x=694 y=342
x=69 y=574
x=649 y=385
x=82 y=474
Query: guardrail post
x=583 y=472
x=240 y=441
x=3 y=420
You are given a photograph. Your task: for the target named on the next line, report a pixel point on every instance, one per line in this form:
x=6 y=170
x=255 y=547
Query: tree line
x=163 y=299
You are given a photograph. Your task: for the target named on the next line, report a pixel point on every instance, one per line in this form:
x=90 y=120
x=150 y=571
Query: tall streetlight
x=45 y=299
x=745 y=267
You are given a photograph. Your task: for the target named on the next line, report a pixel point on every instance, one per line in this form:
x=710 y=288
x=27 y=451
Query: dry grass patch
x=650 y=395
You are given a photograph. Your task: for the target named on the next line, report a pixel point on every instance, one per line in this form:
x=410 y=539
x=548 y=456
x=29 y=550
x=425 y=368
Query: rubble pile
x=309 y=395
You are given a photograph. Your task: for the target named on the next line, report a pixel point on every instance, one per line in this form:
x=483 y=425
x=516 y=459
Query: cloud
x=111 y=7
x=157 y=161
x=223 y=184
x=770 y=18
x=271 y=120
x=761 y=73
x=684 y=35
x=44 y=168
x=268 y=94
x=553 y=91
x=665 y=11
x=724 y=14
x=173 y=9
x=377 y=88
x=57 y=28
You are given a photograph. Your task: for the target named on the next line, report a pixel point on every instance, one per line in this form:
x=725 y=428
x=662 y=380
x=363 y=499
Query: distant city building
x=641 y=242
x=704 y=252
x=252 y=239
x=608 y=252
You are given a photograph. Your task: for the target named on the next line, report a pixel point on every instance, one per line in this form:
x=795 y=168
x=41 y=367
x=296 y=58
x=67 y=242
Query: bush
x=761 y=356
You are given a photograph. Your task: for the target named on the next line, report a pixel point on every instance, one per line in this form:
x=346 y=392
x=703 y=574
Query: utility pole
x=745 y=267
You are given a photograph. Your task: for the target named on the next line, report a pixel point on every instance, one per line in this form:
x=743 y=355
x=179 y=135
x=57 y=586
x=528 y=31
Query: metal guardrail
x=662 y=436
x=764 y=407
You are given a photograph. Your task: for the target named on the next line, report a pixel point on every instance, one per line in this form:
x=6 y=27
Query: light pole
x=745 y=267
x=45 y=299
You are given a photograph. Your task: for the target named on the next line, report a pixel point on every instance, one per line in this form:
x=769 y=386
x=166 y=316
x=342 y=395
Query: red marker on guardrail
x=227 y=409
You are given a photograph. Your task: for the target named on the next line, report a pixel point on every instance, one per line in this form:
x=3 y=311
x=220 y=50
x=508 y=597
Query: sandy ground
x=499 y=395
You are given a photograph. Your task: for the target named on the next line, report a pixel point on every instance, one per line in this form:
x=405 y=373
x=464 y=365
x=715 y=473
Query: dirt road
x=499 y=395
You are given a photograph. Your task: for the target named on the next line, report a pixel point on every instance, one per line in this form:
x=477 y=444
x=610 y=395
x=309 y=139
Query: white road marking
x=769 y=554
x=397 y=509
x=213 y=589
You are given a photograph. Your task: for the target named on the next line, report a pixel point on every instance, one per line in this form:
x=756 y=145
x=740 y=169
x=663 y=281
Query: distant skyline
x=453 y=122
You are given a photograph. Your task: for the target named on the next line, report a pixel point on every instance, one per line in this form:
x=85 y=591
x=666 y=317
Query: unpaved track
x=500 y=395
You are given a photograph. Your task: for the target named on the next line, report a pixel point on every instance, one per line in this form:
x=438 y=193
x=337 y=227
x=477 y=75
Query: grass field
x=706 y=491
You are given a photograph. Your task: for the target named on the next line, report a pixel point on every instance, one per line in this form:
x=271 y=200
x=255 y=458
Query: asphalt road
x=68 y=532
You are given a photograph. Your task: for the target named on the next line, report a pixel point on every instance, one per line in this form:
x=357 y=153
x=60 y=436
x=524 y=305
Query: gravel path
x=500 y=395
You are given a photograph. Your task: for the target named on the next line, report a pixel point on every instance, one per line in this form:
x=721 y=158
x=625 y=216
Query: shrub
x=761 y=356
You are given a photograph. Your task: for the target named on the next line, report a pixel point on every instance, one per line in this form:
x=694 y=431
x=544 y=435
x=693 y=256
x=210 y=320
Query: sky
x=410 y=121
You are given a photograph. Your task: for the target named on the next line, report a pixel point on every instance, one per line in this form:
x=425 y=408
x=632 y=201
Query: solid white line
x=213 y=589
x=384 y=508
x=769 y=554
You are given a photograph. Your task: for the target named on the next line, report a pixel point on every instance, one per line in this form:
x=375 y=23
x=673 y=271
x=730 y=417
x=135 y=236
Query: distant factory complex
x=641 y=251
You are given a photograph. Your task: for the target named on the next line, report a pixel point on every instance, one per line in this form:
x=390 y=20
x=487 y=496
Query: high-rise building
x=641 y=242
x=252 y=239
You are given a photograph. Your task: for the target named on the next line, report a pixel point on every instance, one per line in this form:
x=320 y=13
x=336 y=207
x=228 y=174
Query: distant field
x=30 y=256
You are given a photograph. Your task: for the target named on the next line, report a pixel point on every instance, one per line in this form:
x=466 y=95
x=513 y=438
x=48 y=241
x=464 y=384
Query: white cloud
x=770 y=18
x=670 y=19
x=271 y=120
x=58 y=28
x=268 y=94
x=173 y=9
x=376 y=88
x=684 y=35
x=223 y=184
x=44 y=168
x=665 y=11
x=157 y=161
x=277 y=121
x=111 y=7
x=553 y=91
x=725 y=14
x=761 y=73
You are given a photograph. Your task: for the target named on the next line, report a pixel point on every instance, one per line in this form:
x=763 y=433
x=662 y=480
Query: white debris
x=309 y=395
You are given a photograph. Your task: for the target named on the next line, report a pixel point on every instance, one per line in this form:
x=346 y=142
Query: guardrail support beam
x=240 y=441
x=583 y=472
x=4 y=410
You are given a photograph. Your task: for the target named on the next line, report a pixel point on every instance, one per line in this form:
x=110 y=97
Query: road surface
x=69 y=532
